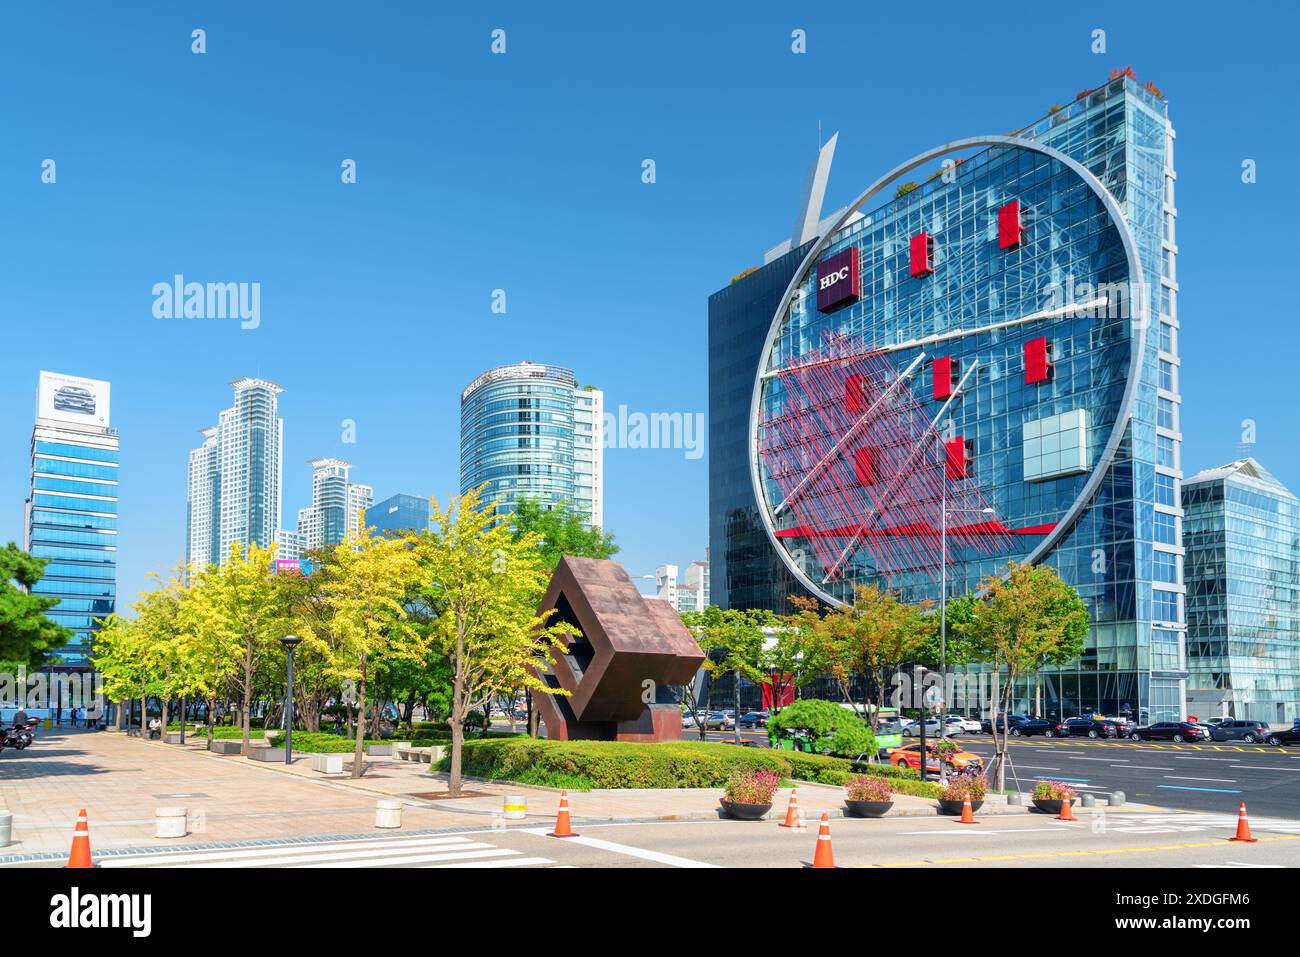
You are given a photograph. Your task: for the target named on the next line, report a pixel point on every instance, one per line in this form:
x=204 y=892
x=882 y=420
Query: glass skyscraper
x=336 y=505
x=235 y=477
x=1005 y=329
x=71 y=512
x=530 y=431
x=1241 y=528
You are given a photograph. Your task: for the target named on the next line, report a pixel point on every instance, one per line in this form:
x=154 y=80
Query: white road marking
x=1180 y=777
x=1036 y=767
x=508 y=862
x=1263 y=767
x=1148 y=767
x=249 y=853
x=627 y=849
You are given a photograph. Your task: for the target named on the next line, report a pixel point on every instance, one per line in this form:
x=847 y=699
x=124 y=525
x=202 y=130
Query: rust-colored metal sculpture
x=622 y=667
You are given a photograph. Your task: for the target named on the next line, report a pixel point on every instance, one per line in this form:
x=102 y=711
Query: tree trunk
x=361 y=724
x=735 y=697
x=118 y=722
x=247 y=699
x=212 y=707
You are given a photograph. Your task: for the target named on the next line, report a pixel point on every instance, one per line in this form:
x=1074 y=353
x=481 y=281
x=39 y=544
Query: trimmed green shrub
x=826 y=725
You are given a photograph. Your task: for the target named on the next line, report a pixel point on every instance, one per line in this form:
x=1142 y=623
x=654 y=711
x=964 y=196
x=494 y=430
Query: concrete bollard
x=6 y=828
x=170 y=822
x=1087 y=800
x=1016 y=799
x=388 y=814
x=1117 y=799
x=515 y=807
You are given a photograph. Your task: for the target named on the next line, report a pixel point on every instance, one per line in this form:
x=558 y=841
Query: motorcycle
x=18 y=736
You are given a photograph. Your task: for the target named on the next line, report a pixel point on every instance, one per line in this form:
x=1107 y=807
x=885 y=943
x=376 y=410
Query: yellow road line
x=1101 y=852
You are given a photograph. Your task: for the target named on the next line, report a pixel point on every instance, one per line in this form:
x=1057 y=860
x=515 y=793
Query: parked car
x=1290 y=736
x=932 y=729
x=1044 y=726
x=1092 y=727
x=754 y=719
x=720 y=721
x=967 y=725
x=909 y=755
x=1171 y=731
x=1238 y=729
x=986 y=725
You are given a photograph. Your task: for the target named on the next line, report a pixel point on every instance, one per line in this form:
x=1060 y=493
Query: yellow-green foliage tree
x=483 y=585
x=365 y=591
x=117 y=655
x=242 y=610
x=1025 y=618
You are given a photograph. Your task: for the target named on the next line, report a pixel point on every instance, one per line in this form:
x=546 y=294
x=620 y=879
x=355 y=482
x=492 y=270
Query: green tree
x=483 y=587
x=26 y=634
x=827 y=726
x=732 y=641
x=559 y=531
x=1023 y=619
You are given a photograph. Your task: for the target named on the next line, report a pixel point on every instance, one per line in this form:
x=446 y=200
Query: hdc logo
x=838 y=280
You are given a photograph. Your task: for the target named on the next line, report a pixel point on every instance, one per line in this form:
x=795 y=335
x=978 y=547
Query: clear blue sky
x=522 y=172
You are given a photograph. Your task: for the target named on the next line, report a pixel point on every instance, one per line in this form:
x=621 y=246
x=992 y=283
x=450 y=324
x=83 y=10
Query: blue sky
x=523 y=172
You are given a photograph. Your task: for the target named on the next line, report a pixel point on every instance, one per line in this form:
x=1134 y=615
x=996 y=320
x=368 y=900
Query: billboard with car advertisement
x=70 y=398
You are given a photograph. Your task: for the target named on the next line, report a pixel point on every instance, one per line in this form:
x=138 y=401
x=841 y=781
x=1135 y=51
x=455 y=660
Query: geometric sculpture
x=623 y=641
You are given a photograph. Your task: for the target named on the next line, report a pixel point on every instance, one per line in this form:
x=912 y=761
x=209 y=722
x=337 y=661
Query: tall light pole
x=290 y=642
x=943 y=602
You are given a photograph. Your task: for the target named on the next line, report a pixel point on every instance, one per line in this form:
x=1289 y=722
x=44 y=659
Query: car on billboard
x=74 y=398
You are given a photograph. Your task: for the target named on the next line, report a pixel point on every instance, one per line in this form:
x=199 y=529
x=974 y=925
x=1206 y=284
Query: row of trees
x=446 y=616
x=1016 y=624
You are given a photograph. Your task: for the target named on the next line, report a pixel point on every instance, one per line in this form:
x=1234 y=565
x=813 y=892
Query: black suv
x=1238 y=729
x=986 y=725
x=1092 y=728
x=1171 y=731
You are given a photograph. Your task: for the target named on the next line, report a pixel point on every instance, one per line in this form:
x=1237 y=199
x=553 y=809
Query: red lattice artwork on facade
x=860 y=470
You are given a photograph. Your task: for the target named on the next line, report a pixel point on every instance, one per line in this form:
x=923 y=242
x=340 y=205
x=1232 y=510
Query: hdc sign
x=838 y=280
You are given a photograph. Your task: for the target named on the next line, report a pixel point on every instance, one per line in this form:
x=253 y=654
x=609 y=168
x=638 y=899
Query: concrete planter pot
x=1048 y=806
x=328 y=763
x=954 y=807
x=744 y=812
x=867 y=808
x=224 y=746
x=266 y=754
x=379 y=750
x=172 y=737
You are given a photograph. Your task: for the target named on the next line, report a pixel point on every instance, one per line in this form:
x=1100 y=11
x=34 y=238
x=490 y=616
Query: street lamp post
x=943 y=605
x=290 y=642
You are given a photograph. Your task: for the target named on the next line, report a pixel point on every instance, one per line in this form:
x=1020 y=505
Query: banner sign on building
x=838 y=280
x=68 y=398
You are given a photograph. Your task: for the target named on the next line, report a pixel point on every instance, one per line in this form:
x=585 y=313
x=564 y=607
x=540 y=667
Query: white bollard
x=170 y=822
x=388 y=814
x=515 y=807
x=6 y=828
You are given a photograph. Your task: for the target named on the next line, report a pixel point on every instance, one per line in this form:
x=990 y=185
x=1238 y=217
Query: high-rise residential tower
x=1241 y=528
x=530 y=431
x=71 y=511
x=336 y=505
x=235 y=477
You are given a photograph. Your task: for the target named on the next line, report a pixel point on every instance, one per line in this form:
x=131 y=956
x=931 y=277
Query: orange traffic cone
x=1243 y=827
x=792 y=818
x=80 y=854
x=1067 y=811
x=562 y=828
x=824 y=857
x=967 y=813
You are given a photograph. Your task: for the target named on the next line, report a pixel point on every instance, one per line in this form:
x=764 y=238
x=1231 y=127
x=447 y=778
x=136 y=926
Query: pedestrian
x=155 y=728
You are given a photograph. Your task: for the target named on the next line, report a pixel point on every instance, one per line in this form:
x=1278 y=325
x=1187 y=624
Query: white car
x=967 y=725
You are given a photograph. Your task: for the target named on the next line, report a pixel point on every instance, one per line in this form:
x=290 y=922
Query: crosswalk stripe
x=371 y=858
x=511 y=862
x=243 y=853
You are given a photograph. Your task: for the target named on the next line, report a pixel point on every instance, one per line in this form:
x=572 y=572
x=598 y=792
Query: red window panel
x=864 y=467
x=854 y=401
x=1010 y=232
x=921 y=254
x=944 y=373
x=960 y=451
x=1038 y=362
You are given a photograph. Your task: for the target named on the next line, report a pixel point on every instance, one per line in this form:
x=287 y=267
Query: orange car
x=910 y=755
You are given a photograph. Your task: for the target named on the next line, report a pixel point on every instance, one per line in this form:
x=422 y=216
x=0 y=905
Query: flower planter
x=867 y=808
x=744 y=812
x=954 y=807
x=1049 y=806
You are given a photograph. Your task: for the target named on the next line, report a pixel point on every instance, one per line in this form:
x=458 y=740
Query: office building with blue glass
x=397 y=514
x=71 y=511
x=973 y=363
x=1241 y=529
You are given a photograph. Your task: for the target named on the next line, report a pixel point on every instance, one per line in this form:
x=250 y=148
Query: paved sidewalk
x=121 y=781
